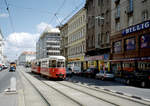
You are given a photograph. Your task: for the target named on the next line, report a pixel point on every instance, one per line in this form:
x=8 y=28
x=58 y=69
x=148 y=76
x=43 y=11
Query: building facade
x=48 y=44
x=1 y=48
x=64 y=41
x=26 y=57
x=76 y=38
x=130 y=34
x=98 y=32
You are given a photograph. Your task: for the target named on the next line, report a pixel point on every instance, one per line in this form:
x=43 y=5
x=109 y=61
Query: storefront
x=78 y=61
x=101 y=62
x=131 y=48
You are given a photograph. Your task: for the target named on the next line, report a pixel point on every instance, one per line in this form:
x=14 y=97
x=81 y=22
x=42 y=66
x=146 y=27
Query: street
x=34 y=90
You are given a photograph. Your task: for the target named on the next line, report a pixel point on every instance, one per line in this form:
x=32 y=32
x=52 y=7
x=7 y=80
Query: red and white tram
x=35 y=66
x=53 y=67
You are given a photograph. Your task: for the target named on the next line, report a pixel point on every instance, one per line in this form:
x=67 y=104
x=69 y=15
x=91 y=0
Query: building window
x=117 y=27
x=130 y=20
x=145 y=41
x=130 y=44
x=144 y=15
x=99 y=2
x=117 y=13
x=99 y=39
x=117 y=46
x=107 y=37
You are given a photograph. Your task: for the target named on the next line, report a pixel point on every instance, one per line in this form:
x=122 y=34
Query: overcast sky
x=28 y=19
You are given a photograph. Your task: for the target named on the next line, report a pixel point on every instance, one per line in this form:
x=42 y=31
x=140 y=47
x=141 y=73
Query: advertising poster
x=130 y=44
x=145 y=41
x=117 y=47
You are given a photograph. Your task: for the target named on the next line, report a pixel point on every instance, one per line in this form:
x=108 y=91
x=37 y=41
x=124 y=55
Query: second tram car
x=35 y=66
x=53 y=67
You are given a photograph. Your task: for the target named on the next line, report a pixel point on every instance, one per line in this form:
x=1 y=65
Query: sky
x=27 y=19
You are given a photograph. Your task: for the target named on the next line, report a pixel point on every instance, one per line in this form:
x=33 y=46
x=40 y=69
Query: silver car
x=105 y=75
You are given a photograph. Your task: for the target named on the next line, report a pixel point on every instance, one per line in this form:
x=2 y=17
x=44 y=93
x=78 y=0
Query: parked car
x=140 y=78
x=91 y=72
x=105 y=75
x=12 y=69
x=76 y=70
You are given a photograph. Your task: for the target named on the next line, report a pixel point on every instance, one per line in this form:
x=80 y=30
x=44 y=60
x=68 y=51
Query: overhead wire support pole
x=11 y=22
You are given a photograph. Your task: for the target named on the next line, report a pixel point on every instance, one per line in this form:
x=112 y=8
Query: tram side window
x=44 y=63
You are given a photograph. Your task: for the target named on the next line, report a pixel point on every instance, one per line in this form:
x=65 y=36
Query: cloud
x=46 y=27
x=4 y=15
x=16 y=43
x=42 y=26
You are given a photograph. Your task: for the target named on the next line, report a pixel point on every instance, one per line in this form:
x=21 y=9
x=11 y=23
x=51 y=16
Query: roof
x=28 y=52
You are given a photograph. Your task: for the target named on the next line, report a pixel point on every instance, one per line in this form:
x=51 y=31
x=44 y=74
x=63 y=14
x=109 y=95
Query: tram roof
x=54 y=57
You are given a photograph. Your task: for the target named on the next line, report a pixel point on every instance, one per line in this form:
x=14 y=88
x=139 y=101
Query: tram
x=53 y=67
x=35 y=66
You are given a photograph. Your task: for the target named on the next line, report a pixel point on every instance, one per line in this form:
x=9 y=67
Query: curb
x=112 y=91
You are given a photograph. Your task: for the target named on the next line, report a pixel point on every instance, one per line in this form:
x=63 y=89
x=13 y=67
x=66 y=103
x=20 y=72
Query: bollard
x=13 y=84
x=12 y=89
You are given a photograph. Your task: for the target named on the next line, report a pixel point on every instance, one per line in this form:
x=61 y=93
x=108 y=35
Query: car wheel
x=143 y=84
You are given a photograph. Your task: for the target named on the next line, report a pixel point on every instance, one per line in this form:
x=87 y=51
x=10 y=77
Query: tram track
x=106 y=92
x=57 y=86
x=110 y=93
x=83 y=92
x=45 y=100
x=76 y=100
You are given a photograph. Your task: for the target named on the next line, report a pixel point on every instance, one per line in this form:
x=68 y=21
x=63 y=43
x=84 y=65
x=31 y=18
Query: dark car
x=12 y=69
x=91 y=72
x=141 y=78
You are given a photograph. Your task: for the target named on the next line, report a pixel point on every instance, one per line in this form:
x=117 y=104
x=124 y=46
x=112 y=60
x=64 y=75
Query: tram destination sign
x=135 y=28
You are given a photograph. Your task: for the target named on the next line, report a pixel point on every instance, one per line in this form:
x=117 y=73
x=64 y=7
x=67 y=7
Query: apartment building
x=48 y=44
x=130 y=33
x=76 y=38
x=26 y=56
x=98 y=33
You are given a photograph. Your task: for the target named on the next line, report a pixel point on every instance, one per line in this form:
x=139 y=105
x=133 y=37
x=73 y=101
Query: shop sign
x=135 y=28
x=101 y=57
x=76 y=59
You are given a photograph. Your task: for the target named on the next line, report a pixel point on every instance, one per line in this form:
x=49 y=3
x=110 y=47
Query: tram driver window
x=60 y=64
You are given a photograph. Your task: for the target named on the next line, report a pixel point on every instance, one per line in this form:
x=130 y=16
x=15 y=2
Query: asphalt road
x=5 y=77
x=7 y=99
x=115 y=86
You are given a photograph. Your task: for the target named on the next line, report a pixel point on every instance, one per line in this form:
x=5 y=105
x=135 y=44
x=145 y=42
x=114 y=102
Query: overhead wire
x=10 y=18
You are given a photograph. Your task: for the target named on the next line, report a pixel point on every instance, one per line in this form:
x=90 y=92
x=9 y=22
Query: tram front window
x=60 y=64
x=53 y=63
